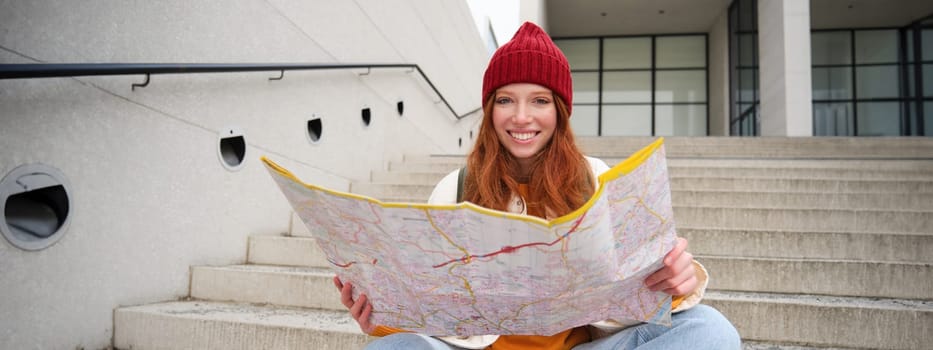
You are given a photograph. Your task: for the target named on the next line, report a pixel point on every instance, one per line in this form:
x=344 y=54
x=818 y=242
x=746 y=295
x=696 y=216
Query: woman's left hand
x=677 y=277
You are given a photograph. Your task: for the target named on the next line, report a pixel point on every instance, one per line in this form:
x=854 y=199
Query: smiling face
x=524 y=116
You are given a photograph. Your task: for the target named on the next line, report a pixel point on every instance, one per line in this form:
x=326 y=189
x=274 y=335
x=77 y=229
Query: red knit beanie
x=530 y=57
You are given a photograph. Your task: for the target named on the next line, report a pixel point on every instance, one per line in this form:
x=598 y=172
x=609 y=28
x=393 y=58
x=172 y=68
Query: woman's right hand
x=360 y=309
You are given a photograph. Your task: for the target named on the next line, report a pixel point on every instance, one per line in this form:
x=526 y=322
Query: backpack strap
x=460 y=177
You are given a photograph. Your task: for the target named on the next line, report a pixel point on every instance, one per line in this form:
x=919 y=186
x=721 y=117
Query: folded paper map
x=466 y=270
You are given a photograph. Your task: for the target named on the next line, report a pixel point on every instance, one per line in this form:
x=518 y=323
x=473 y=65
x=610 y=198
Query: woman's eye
x=503 y=100
x=542 y=101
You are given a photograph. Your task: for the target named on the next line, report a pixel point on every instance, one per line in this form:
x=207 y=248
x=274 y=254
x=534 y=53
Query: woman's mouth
x=524 y=135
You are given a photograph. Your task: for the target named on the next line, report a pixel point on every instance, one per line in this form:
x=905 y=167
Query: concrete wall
x=149 y=197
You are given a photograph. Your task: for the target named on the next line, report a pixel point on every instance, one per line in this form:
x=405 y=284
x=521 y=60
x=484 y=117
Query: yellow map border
x=624 y=167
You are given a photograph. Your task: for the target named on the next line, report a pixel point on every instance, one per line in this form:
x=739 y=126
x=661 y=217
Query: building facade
x=749 y=67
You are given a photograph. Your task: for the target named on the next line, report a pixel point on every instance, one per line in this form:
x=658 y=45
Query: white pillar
x=784 y=67
x=719 y=76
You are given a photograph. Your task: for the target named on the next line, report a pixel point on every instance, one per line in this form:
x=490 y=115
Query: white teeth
x=523 y=135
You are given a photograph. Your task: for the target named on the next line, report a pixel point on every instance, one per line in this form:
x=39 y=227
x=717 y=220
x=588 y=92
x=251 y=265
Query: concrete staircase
x=812 y=243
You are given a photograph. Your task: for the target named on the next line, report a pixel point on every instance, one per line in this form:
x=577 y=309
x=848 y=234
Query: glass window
x=747 y=109
x=623 y=53
x=743 y=61
x=681 y=51
x=748 y=125
x=630 y=80
x=627 y=120
x=743 y=124
x=928 y=118
x=927 y=82
x=907 y=107
x=879 y=119
x=830 y=48
x=926 y=75
x=877 y=82
x=832 y=83
x=581 y=53
x=627 y=87
x=680 y=120
x=747 y=84
x=876 y=46
x=747 y=50
x=747 y=15
x=585 y=87
x=926 y=38
x=882 y=106
x=832 y=119
x=680 y=86
x=585 y=120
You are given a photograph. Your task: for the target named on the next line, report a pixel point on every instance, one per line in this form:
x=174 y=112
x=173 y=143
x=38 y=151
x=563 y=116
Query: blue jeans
x=701 y=327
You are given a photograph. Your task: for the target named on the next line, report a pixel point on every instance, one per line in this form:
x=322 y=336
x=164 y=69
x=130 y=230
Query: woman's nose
x=522 y=114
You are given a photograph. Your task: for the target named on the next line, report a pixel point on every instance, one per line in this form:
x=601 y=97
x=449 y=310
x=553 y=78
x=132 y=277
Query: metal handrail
x=55 y=70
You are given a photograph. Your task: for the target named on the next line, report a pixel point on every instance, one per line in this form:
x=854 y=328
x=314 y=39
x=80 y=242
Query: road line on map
x=434 y=225
x=511 y=249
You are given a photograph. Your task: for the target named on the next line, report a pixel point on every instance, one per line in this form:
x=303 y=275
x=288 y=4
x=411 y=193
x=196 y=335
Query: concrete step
x=822 y=220
x=753 y=345
x=713 y=198
x=216 y=325
x=775 y=171
x=745 y=310
x=769 y=147
x=310 y=287
x=824 y=321
x=407 y=178
x=302 y=251
x=898 y=280
x=823 y=200
x=778 y=219
x=380 y=191
x=799 y=185
x=435 y=158
x=211 y=325
x=874 y=247
x=906 y=280
x=809 y=244
x=912 y=248
x=233 y=326
x=422 y=167
x=802 y=173
x=853 y=164
x=285 y=251
x=727 y=183
x=782 y=219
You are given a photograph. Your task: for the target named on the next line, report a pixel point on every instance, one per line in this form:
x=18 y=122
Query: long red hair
x=560 y=181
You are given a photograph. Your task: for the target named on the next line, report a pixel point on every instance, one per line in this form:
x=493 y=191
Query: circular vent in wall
x=35 y=206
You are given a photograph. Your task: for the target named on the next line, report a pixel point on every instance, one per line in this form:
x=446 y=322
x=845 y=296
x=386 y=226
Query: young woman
x=525 y=161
